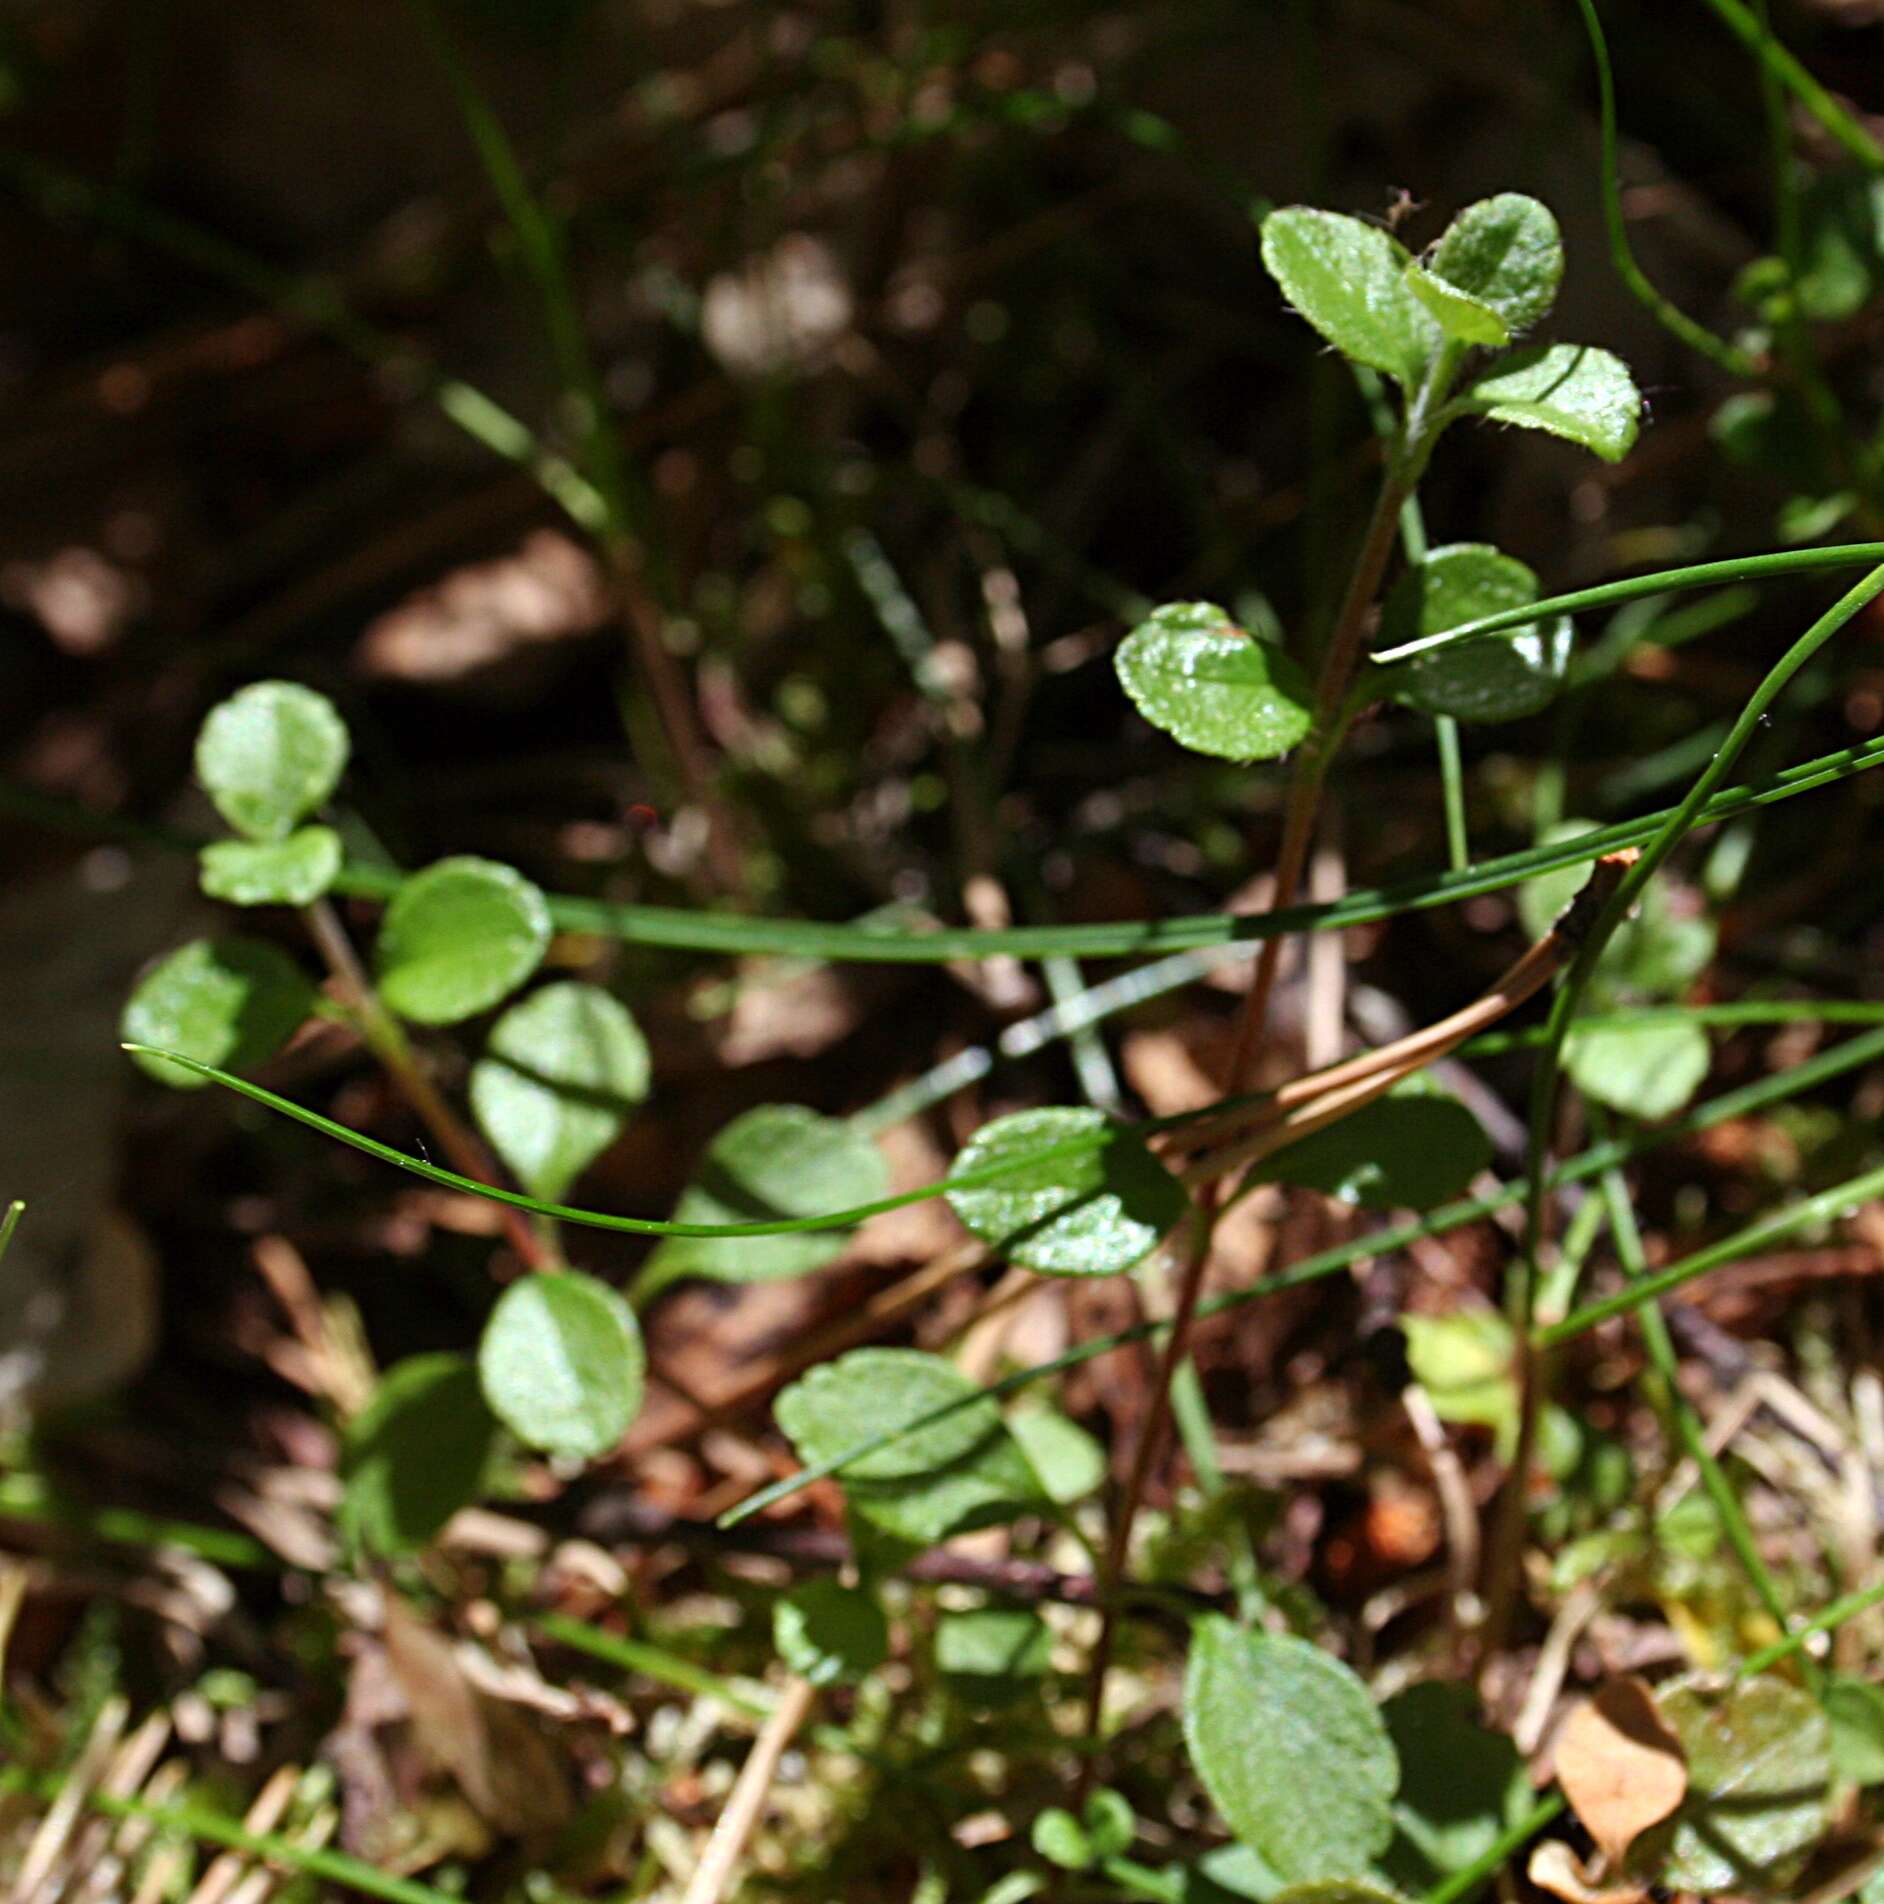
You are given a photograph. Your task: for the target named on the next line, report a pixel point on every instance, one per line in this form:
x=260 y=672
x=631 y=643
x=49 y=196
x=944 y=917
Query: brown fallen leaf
x=1554 y=1868
x=1620 y=1766
x=502 y=1763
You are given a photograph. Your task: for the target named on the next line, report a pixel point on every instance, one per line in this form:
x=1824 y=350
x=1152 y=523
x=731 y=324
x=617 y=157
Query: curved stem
x=386 y=1039
x=1505 y=1558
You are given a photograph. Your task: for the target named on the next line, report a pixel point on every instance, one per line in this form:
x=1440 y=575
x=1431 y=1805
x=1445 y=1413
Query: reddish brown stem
x=387 y=1042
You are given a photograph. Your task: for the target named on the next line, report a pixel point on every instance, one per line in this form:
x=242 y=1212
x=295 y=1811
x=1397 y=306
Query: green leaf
x=1078 y=1844
x=1094 y=1214
x=290 y=872
x=989 y=1656
x=1575 y=391
x=1855 y=1709
x=1653 y=954
x=1410 y=1150
x=1506 y=253
x=1759 y=1788
x=561 y=1364
x=1461 y=316
x=1491 y=678
x=963 y=1471
x=1461 y=1786
x=228 y=1002
x=1196 y=676
x=1649 y=1070
x=561 y=1071
x=1061 y=1839
x=1230 y=1871
x=1465 y=1362
x=1069 y=1462
x=1347 y=278
x=416 y=1453
x=1110 y=1823
x=270 y=754
x=828 y=1634
x=1270 y=1720
x=779 y=1160
x=1842 y=245
x=457 y=938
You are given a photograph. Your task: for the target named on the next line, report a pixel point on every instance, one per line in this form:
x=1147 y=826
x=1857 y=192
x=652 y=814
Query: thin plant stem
x=714 y=1873
x=1846 y=1608
x=386 y=1039
x=1687 y=1421
x=1506 y=1555
x=1452 y=788
x=1841 y=125
x=1425 y=420
x=1664 y=310
x=1747 y=1101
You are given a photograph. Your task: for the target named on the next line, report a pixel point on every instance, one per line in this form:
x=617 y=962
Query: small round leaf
x=1855 y=1708
x=1347 y=278
x=1506 y=253
x=1196 y=676
x=1759 y=1788
x=561 y=1364
x=1409 y=1150
x=963 y=1470
x=1061 y=1839
x=990 y=1655
x=270 y=754
x=779 y=1160
x=1492 y=677
x=1094 y=1213
x=1466 y=319
x=290 y=872
x=416 y=1453
x=1269 y=1718
x=560 y=1073
x=457 y=938
x=1648 y=1070
x=828 y=1634
x=227 y=1002
x=1575 y=391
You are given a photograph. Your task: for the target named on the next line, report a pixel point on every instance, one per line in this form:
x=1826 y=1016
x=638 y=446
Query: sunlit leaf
x=1270 y=1719
x=1620 y=1765
x=989 y=1656
x=965 y=1470
x=1347 y=278
x=1069 y=1462
x=561 y=1364
x=290 y=872
x=1466 y=1362
x=1092 y=1214
x=1461 y=316
x=1759 y=1787
x=1505 y=252
x=1196 y=676
x=1855 y=1708
x=228 y=1002
x=270 y=754
x=561 y=1070
x=1492 y=678
x=779 y=1160
x=1648 y=1070
x=1575 y=391
x=459 y=937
